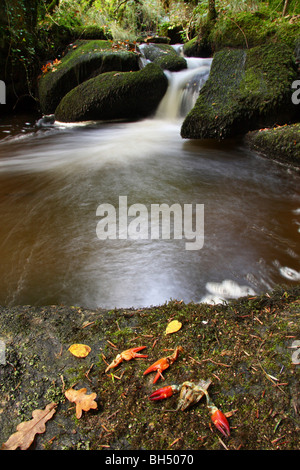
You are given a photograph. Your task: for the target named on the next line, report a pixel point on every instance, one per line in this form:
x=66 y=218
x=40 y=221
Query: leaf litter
x=242 y=346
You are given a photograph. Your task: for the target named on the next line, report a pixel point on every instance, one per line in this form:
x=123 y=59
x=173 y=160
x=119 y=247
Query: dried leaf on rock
x=79 y=350
x=27 y=430
x=83 y=401
x=173 y=326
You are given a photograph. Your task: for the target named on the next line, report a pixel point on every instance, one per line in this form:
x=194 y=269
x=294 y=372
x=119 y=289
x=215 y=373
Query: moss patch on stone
x=248 y=30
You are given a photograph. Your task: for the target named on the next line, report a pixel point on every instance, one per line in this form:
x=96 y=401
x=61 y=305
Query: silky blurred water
x=54 y=176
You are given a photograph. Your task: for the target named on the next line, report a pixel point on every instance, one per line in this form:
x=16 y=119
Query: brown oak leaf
x=83 y=401
x=27 y=430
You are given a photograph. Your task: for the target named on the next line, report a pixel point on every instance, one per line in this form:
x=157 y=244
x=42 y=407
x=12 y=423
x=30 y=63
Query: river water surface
x=53 y=177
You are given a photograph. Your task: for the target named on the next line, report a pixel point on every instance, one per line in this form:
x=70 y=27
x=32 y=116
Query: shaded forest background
x=35 y=31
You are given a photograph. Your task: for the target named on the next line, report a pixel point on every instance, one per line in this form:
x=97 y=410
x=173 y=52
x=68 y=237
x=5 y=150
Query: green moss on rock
x=246 y=90
x=127 y=95
x=84 y=60
x=242 y=30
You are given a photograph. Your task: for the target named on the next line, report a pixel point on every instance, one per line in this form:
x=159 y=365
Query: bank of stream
x=248 y=348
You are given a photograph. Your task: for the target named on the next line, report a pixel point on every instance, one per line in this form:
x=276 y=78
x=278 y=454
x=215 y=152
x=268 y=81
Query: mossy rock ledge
x=248 y=348
x=85 y=59
x=115 y=95
x=246 y=90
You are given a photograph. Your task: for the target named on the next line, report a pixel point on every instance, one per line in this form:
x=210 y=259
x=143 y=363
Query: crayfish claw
x=162 y=393
x=220 y=421
x=162 y=364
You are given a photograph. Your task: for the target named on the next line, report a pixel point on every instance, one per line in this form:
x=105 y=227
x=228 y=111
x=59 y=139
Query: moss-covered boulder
x=246 y=90
x=84 y=60
x=113 y=95
x=280 y=143
x=165 y=56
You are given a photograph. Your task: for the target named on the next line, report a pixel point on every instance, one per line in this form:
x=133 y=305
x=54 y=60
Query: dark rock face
x=246 y=90
x=113 y=95
x=88 y=59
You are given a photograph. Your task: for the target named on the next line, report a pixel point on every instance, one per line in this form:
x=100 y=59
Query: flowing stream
x=53 y=177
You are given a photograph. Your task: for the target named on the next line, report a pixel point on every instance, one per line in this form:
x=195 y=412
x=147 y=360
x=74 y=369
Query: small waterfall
x=184 y=86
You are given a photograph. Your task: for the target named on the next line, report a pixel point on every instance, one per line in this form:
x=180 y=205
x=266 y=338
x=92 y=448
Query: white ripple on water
x=290 y=273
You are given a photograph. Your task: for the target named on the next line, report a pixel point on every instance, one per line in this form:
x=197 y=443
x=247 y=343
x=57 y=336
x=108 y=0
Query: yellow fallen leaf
x=79 y=350
x=173 y=326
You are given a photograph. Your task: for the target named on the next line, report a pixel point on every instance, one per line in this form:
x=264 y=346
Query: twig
x=113 y=414
x=247 y=45
x=285 y=7
x=217 y=363
x=174 y=442
x=223 y=444
x=112 y=344
x=87 y=373
x=88 y=324
x=63 y=382
x=266 y=374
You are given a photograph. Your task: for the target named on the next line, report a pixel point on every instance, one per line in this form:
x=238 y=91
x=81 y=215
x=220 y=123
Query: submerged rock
x=113 y=95
x=85 y=60
x=246 y=90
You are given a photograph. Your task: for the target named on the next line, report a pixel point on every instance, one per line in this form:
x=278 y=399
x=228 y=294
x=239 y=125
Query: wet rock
x=85 y=59
x=113 y=95
x=246 y=90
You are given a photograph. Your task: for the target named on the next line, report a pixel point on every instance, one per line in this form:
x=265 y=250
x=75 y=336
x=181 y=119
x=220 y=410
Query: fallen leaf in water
x=27 y=430
x=173 y=326
x=83 y=401
x=79 y=350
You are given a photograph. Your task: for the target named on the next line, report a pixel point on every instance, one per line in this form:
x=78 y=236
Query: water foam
x=220 y=292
